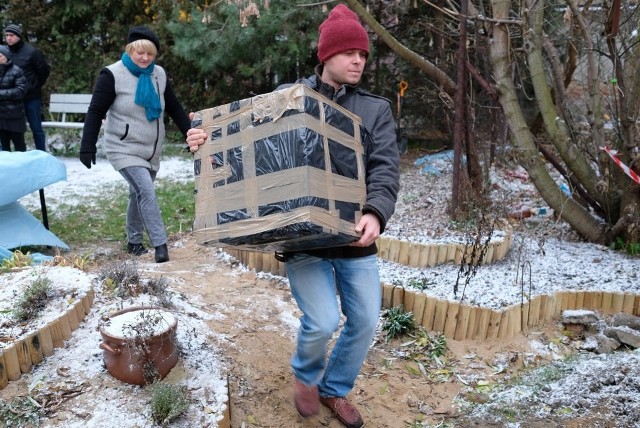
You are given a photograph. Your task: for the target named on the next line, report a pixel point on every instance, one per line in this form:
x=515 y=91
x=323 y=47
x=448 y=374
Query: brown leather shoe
x=344 y=411
x=306 y=399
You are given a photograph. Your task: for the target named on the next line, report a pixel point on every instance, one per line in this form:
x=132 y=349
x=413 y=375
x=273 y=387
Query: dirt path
x=255 y=325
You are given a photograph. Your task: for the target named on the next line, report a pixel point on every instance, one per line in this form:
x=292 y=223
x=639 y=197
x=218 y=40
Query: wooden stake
x=4 y=378
x=403 y=253
x=282 y=269
x=451 y=320
x=472 y=326
x=409 y=298
x=488 y=257
x=418 y=307
x=72 y=316
x=627 y=304
x=433 y=255
x=423 y=258
x=572 y=300
x=495 y=319
x=533 y=318
x=617 y=303
x=65 y=326
x=57 y=337
x=607 y=302
x=440 y=315
x=597 y=300
x=515 y=319
x=24 y=359
x=11 y=362
x=35 y=349
x=483 y=324
x=462 y=322
x=580 y=300
x=587 y=300
x=451 y=252
x=636 y=306
x=46 y=343
x=429 y=313
x=397 y=298
x=560 y=301
x=414 y=254
x=442 y=255
x=503 y=329
x=383 y=248
x=394 y=250
x=387 y=295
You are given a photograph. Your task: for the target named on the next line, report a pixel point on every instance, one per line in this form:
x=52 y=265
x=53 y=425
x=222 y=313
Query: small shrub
x=397 y=322
x=18 y=260
x=121 y=279
x=167 y=403
x=159 y=288
x=33 y=300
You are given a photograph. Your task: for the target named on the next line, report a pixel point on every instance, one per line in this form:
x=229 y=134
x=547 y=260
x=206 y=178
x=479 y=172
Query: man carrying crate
x=352 y=270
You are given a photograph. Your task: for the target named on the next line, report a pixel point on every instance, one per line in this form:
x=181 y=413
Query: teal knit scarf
x=146 y=95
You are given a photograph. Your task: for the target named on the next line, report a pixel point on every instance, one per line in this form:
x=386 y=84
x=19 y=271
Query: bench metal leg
x=43 y=209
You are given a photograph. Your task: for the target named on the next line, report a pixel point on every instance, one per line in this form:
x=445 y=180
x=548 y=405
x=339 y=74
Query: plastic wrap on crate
x=282 y=171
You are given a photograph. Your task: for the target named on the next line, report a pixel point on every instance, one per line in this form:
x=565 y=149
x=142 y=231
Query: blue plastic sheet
x=19 y=228
x=22 y=173
x=429 y=162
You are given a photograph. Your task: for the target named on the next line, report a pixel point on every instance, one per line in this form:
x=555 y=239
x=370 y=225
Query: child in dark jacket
x=13 y=86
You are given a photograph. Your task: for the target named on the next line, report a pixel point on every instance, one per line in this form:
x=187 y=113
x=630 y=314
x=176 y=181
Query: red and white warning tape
x=631 y=173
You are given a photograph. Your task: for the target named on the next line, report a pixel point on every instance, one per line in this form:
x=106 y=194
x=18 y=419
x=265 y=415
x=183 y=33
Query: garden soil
x=255 y=342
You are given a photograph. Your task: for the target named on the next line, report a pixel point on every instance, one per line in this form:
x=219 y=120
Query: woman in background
x=133 y=95
x=13 y=86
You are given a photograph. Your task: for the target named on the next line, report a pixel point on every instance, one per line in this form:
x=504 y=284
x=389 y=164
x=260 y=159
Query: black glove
x=87 y=158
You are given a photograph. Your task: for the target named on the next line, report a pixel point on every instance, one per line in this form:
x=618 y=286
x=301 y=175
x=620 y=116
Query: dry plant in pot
x=139 y=344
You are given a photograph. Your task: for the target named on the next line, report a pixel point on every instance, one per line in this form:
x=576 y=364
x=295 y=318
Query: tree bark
x=586 y=225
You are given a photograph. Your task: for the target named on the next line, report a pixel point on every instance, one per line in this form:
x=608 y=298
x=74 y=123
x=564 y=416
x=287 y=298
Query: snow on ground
x=549 y=262
x=533 y=266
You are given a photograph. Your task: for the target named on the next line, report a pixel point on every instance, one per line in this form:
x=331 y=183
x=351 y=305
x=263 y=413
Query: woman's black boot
x=162 y=253
x=136 y=249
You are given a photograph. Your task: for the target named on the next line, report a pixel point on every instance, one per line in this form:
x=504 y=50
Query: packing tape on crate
x=631 y=173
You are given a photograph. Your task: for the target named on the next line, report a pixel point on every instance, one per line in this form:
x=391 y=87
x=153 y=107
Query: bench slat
x=66 y=125
x=67 y=103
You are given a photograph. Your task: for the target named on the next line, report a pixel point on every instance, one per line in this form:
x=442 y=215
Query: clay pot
x=139 y=344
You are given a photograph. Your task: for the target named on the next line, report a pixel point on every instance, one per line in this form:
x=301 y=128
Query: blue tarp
x=22 y=173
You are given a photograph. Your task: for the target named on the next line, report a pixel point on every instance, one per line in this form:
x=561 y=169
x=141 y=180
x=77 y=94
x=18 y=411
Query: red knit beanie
x=340 y=32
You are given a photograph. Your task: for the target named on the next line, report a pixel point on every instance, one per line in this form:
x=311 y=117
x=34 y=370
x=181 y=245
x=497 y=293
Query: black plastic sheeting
x=293 y=148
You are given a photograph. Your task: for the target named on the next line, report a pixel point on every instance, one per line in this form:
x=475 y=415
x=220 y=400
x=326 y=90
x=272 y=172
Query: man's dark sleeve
x=41 y=67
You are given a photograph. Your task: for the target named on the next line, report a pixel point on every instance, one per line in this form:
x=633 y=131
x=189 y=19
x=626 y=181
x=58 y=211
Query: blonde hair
x=143 y=45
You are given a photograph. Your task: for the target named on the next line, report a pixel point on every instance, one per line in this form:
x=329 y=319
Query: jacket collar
x=17 y=46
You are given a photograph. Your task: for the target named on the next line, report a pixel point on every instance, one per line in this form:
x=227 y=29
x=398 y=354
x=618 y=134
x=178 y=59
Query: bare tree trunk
x=585 y=224
x=557 y=130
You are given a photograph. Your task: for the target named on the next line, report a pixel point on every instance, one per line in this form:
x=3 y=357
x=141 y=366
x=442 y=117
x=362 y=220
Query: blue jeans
x=32 y=109
x=314 y=282
x=143 y=211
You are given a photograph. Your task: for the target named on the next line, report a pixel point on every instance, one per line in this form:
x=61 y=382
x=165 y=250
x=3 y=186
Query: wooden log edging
x=30 y=350
x=458 y=321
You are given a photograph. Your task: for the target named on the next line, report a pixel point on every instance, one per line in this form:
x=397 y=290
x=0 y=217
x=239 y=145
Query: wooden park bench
x=62 y=105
